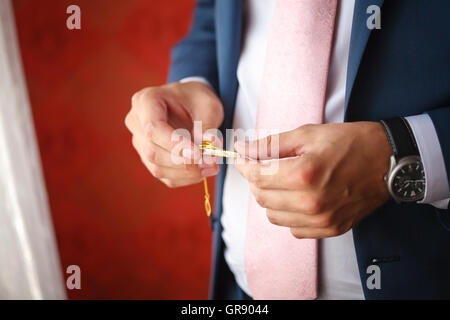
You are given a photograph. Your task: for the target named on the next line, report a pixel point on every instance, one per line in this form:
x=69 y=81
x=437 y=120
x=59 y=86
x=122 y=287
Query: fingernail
x=209 y=172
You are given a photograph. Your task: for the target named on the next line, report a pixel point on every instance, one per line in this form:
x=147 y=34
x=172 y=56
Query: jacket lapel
x=358 y=42
x=228 y=33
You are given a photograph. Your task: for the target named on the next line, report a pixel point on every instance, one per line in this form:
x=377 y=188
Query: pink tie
x=292 y=94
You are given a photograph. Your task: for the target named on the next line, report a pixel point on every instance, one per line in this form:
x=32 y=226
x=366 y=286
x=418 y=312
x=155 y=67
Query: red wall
x=132 y=237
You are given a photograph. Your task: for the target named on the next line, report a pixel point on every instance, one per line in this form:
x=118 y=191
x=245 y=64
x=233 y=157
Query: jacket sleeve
x=195 y=55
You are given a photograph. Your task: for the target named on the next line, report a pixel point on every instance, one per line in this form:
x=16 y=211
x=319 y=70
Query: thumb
x=277 y=146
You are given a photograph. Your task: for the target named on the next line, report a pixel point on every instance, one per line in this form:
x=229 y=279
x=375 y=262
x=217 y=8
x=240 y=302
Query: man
x=374 y=192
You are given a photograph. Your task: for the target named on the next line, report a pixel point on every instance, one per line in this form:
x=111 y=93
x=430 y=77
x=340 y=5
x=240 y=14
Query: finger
x=149 y=107
x=178 y=183
x=151 y=112
x=176 y=177
x=288 y=219
x=299 y=220
x=132 y=124
x=182 y=182
x=152 y=115
x=152 y=158
x=283 y=145
x=315 y=233
x=285 y=174
x=177 y=141
x=288 y=200
x=139 y=147
x=191 y=173
x=161 y=157
x=151 y=152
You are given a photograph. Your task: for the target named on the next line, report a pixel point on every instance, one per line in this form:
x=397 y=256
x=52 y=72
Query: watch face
x=408 y=183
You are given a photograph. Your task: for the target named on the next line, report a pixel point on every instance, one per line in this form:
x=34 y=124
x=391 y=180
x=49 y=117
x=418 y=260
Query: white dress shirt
x=338 y=271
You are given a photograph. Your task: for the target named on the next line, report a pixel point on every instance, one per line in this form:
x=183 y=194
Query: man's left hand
x=329 y=177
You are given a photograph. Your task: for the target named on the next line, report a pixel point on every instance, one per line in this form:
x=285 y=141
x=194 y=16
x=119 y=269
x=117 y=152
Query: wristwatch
x=406 y=178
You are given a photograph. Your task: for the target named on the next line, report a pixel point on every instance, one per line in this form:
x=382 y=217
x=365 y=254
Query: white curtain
x=29 y=262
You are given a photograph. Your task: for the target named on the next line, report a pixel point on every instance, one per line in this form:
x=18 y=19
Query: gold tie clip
x=208 y=149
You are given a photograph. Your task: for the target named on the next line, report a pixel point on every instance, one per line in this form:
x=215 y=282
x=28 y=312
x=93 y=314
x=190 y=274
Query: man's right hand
x=156 y=113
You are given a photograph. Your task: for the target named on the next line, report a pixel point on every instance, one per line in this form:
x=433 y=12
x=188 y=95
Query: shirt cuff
x=437 y=191
x=197 y=79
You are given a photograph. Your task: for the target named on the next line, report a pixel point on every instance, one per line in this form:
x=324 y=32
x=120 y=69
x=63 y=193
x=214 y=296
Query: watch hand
x=414 y=181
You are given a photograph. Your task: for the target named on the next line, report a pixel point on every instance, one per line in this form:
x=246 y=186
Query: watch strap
x=400 y=137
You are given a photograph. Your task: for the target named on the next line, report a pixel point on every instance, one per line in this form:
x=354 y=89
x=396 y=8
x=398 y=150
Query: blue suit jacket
x=402 y=69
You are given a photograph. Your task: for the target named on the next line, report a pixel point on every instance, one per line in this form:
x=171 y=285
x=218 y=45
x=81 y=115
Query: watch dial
x=409 y=182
